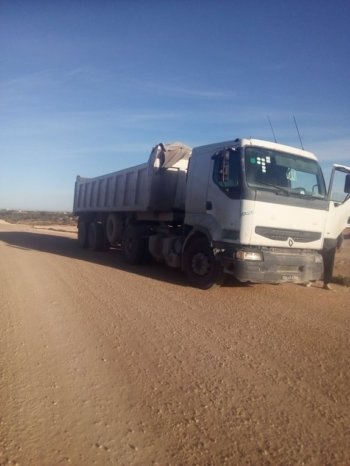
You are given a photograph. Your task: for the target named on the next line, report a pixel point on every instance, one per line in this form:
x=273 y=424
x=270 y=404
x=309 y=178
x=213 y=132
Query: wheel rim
x=201 y=264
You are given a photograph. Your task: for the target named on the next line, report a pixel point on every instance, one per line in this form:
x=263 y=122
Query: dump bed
x=157 y=185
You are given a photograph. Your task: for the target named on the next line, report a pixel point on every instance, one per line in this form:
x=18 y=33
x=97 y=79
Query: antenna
x=273 y=133
x=301 y=142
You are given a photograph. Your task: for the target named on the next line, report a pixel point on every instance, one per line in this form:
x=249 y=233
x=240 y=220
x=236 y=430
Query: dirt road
x=106 y=364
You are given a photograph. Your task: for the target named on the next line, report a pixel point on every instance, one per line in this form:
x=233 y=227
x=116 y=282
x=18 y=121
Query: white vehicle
x=257 y=210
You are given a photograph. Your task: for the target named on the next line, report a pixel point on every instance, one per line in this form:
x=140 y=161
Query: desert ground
x=107 y=364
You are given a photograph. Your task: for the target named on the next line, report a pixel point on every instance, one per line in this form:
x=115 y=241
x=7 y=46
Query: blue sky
x=88 y=87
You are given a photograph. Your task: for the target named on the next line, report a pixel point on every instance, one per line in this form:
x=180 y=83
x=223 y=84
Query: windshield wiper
x=288 y=192
x=304 y=195
x=278 y=188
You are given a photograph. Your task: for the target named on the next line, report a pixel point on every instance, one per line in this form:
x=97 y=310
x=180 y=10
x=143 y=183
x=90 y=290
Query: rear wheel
x=114 y=228
x=83 y=233
x=134 y=245
x=96 y=239
x=202 y=269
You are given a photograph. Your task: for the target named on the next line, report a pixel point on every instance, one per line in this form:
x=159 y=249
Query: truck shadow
x=68 y=247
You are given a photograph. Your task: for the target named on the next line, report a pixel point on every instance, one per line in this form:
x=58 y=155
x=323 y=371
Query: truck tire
x=114 y=228
x=83 y=233
x=202 y=269
x=96 y=240
x=134 y=245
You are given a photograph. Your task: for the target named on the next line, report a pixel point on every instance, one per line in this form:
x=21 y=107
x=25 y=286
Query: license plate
x=290 y=277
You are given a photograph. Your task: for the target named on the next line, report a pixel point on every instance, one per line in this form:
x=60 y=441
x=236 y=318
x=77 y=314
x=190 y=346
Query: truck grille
x=280 y=234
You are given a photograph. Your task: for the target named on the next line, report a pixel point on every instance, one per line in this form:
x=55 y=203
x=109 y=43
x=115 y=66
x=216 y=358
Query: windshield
x=284 y=173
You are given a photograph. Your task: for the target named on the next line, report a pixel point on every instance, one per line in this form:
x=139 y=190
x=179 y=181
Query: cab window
x=226 y=174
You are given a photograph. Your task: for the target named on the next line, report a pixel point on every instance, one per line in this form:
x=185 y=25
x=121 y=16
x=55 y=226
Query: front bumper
x=278 y=265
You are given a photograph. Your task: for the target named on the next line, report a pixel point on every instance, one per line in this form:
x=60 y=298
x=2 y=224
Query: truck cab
x=265 y=210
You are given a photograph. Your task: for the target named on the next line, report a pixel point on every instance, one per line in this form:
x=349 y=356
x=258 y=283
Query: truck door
x=224 y=193
x=339 y=202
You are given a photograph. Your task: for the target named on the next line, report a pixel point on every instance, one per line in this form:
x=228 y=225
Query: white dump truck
x=254 y=209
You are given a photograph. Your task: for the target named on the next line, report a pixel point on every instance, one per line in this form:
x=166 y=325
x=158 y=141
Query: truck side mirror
x=347 y=184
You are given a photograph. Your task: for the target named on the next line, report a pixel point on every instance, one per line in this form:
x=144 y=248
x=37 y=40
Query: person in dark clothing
x=328 y=265
x=328 y=262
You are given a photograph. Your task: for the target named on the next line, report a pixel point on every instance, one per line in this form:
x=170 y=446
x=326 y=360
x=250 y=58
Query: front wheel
x=202 y=269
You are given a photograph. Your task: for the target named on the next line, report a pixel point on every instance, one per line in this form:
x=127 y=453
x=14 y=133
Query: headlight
x=249 y=256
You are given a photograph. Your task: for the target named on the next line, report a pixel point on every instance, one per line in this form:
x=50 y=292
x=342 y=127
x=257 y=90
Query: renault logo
x=290 y=242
